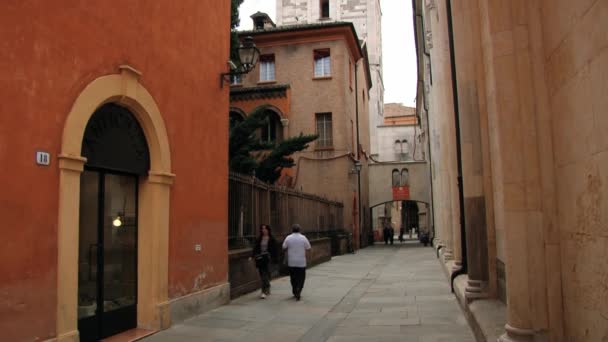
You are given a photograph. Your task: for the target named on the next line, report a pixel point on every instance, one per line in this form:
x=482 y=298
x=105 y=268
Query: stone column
x=285 y=124
x=153 y=310
x=467 y=46
x=512 y=107
x=442 y=125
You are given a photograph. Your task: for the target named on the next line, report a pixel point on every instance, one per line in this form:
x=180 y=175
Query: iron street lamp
x=248 y=57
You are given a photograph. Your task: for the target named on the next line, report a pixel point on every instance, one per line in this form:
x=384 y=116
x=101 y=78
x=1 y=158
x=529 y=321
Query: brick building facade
x=315 y=79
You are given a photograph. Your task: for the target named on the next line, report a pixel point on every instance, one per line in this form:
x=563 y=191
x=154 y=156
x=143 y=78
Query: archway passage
x=408 y=219
x=117 y=155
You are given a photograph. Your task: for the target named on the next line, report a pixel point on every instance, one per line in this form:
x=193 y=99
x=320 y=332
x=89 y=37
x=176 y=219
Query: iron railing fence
x=253 y=202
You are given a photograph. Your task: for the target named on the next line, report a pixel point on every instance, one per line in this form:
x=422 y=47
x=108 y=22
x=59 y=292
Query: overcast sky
x=399 y=54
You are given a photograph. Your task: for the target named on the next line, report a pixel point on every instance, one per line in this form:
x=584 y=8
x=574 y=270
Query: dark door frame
x=95 y=327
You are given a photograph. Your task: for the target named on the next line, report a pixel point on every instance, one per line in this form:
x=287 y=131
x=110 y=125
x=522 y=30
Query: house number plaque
x=43 y=158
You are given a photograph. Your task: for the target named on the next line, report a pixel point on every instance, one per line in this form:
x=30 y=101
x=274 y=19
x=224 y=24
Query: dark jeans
x=265 y=278
x=297 y=276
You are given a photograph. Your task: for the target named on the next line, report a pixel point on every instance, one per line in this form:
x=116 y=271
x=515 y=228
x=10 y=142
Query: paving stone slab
x=392 y=293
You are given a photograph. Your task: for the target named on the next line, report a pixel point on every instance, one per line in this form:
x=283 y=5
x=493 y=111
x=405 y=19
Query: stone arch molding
x=274 y=109
x=125 y=89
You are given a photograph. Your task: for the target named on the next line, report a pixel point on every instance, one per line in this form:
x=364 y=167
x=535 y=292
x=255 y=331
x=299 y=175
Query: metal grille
x=252 y=202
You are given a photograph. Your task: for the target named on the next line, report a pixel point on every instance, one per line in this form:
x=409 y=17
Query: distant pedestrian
x=385 y=233
x=401 y=232
x=391 y=234
x=296 y=245
x=264 y=252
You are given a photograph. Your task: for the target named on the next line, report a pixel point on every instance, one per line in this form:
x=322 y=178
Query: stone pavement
x=381 y=293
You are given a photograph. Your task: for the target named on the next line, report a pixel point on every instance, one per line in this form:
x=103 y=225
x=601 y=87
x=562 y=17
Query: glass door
x=107 y=292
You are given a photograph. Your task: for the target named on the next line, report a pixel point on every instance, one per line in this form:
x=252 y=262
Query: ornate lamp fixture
x=249 y=55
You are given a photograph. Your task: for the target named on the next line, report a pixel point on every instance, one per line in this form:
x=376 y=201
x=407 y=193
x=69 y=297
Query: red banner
x=401 y=193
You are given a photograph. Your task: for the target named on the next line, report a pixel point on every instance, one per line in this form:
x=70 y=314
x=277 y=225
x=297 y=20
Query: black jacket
x=272 y=248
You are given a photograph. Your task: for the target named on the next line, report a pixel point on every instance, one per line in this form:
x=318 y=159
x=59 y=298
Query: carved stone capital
x=71 y=163
x=161 y=177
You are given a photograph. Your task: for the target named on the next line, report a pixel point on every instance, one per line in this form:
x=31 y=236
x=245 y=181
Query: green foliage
x=244 y=143
x=234 y=18
x=269 y=169
x=234 y=37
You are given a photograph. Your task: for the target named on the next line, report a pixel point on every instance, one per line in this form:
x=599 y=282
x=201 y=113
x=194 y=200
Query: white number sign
x=43 y=158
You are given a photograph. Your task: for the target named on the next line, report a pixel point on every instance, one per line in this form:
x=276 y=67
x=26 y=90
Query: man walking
x=296 y=245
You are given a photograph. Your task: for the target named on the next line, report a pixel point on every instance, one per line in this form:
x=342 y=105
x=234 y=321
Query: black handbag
x=261 y=260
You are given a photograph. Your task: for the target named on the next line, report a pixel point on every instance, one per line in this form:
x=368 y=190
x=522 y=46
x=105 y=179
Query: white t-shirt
x=296 y=245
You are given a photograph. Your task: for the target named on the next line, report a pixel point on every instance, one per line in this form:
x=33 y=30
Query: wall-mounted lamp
x=117 y=221
x=357 y=167
x=248 y=58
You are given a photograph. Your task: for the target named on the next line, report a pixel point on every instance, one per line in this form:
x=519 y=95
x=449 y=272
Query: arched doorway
x=117 y=155
x=153 y=201
x=402 y=216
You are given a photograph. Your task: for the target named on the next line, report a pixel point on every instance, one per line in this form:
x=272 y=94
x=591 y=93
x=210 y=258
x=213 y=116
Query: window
x=236 y=80
x=258 y=23
x=324 y=9
x=272 y=131
x=324 y=130
x=396 y=178
x=322 y=63
x=402 y=149
x=267 y=68
x=405 y=177
x=235 y=119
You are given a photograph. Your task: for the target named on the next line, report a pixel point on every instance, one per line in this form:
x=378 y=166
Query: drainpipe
x=358 y=155
x=463 y=234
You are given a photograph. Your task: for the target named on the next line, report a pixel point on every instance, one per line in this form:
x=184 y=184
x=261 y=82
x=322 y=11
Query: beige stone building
x=315 y=78
x=515 y=93
x=401 y=160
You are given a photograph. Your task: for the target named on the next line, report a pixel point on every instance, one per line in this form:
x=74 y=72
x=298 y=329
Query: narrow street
x=382 y=293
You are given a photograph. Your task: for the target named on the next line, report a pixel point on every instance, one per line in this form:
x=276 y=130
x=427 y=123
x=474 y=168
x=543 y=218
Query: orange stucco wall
x=50 y=51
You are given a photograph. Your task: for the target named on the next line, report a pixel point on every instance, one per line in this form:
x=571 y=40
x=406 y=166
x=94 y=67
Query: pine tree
x=247 y=153
x=234 y=37
x=269 y=169
x=244 y=142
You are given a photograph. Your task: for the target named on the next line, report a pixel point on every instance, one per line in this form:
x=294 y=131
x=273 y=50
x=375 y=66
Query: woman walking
x=265 y=251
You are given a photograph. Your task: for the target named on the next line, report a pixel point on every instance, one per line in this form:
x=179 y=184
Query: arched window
x=405 y=149
x=396 y=178
x=405 y=177
x=235 y=118
x=397 y=149
x=402 y=149
x=273 y=129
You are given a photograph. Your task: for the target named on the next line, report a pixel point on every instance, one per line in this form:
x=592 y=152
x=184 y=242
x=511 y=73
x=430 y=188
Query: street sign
x=401 y=193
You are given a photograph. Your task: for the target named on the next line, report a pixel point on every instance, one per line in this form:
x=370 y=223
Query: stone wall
x=530 y=82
